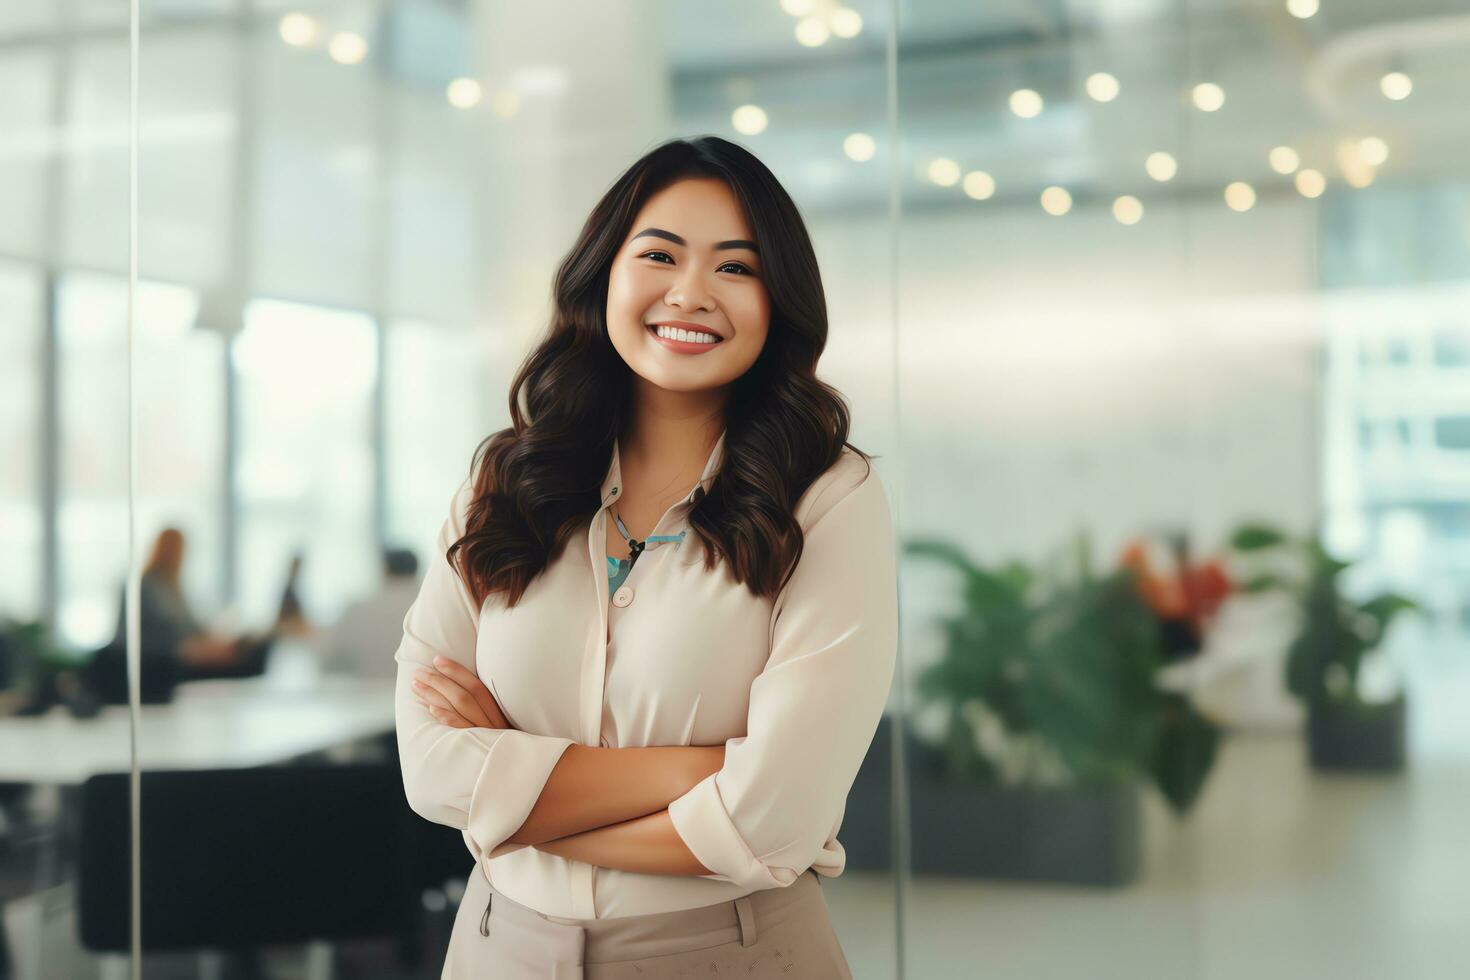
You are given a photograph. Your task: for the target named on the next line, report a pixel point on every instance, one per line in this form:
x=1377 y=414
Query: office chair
x=242 y=858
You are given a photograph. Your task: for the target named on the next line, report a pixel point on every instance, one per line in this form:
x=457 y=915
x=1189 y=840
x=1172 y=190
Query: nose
x=689 y=292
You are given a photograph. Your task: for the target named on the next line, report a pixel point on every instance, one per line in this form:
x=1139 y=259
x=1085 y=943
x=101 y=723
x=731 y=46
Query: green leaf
x=1255 y=537
x=1263 y=583
x=1187 y=745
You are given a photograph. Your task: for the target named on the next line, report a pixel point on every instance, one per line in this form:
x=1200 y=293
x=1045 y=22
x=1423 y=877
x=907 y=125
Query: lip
x=681 y=346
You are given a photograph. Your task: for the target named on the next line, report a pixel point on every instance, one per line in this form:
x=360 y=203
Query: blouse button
x=623 y=596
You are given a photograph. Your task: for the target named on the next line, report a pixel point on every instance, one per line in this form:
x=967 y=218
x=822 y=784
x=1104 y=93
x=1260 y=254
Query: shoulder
x=459 y=503
x=851 y=476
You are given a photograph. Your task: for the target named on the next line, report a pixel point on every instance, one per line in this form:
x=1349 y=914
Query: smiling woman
x=621 y=768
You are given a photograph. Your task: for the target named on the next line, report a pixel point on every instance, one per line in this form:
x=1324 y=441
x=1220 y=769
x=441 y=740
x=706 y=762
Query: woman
x=660 y=627
x=175 y=646
x=168 y=628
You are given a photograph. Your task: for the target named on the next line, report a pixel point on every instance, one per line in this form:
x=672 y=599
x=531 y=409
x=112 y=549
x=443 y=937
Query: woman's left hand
x=455 y=696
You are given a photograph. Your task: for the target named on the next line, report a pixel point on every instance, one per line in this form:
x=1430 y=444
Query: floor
x=1279 y=874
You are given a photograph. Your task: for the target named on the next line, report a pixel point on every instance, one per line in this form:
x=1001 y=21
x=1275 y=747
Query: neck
x=671 y=433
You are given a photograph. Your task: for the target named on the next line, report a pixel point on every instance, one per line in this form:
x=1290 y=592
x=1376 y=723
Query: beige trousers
x=780 y=932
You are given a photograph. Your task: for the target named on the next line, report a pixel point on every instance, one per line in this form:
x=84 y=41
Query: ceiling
x=1308 y=83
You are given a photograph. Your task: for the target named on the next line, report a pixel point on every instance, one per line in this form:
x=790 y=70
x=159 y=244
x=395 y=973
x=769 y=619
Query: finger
x=447 y=717
x=455 y=698
x=470 y=681
x=429 y=696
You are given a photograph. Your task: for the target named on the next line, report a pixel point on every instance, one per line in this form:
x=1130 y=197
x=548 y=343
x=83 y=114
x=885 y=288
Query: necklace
x=635 y=546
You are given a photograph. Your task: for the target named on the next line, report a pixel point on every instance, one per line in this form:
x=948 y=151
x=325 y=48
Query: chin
x=680 y=384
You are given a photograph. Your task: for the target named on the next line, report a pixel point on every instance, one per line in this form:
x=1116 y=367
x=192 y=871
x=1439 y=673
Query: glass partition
x=1181 y=299
x=361 y=208
x=64 y=480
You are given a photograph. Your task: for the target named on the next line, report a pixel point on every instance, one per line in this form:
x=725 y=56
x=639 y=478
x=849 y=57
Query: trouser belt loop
x=746 y=912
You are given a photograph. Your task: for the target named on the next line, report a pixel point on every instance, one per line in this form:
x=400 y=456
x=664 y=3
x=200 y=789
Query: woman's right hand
x=456 y=696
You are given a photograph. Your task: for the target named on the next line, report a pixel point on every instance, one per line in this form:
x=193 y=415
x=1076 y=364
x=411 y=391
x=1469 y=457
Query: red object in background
x=1190 y=596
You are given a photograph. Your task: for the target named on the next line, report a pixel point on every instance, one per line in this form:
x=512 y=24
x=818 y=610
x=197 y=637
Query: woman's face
x=690 y=262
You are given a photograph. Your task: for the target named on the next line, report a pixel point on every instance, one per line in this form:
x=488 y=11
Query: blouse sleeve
x=770 y=812
x=483 y=781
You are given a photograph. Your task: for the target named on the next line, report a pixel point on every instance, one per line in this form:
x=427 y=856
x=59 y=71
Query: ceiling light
x=463 y=93
x=1128 y=210
x=298 y=30
x=859 y=147
x=347 y=48
x=1310 y=183
x=1359 y=175
x=845 y=22
x=1102 y=86
x=749 y=119
x=1240 y=196
x=812 y=32
x=1161 y=166
x=1373 y=151
x=1026 y=103
x=1056 y=201
x=1208 y=96
x=1285 y=160
x=944 y=171
x=1396 y=85
x=979 y=185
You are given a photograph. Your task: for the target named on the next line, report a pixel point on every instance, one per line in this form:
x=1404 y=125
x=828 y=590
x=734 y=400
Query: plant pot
x=1356 y=737
x=1076 y=834
x=867 y=822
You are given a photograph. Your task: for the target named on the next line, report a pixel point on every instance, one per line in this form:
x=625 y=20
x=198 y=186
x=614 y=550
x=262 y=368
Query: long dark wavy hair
x=535 y=483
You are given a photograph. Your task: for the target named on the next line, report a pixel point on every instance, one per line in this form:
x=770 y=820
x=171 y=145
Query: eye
x=740 y=268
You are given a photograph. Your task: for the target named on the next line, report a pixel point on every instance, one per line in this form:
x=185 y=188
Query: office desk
x=211 y=724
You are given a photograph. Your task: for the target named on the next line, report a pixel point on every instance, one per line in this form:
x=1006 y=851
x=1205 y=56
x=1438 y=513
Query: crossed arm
x=751 y=811
x=602 y=806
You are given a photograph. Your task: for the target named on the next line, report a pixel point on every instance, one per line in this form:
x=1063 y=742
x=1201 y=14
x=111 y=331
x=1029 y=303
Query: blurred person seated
x=170 y=631
x=367 y=634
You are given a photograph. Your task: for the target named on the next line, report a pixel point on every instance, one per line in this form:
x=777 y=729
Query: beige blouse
x=793 y=687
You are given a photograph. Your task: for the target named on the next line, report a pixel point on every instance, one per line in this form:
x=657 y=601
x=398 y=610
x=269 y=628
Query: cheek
x=625 y=300
x=754 y=315
x=618 y=288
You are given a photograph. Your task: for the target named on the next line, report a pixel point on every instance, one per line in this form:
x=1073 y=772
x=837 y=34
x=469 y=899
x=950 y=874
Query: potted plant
x=1052 y=720
x=34 y=672
x=1324 y=664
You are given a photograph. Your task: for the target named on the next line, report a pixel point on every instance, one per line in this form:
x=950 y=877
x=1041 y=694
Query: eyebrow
x=670 y=236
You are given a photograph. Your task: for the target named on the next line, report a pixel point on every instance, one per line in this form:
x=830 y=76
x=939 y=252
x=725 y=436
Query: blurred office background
x=1156 y=313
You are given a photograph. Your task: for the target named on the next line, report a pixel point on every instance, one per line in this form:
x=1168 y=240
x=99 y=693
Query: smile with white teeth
x=688 y=336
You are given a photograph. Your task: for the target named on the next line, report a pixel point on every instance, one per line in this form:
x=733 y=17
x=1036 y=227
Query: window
x=180 y=415
x=440 y=399
x=305 y=475
x=20 y=427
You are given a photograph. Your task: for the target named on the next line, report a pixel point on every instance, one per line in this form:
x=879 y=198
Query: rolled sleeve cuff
x=701 y=820
x=510 y=782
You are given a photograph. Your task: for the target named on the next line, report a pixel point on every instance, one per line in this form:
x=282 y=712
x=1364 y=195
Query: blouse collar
x=612 y=483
